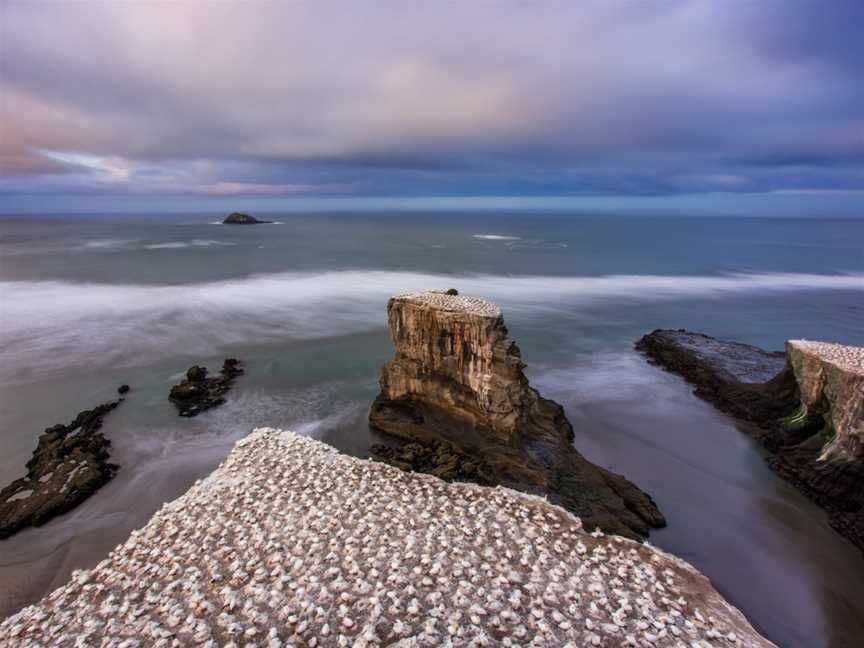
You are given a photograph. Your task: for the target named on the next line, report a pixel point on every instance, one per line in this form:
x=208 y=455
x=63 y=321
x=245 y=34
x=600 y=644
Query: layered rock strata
x=289 y=543
x=70 y=463
x=805 y=405
x=198 y=392
x=457 y=377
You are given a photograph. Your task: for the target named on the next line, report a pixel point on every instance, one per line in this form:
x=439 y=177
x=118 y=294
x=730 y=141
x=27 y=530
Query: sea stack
x=805 y=405
x=457 y=377
x=242 y=219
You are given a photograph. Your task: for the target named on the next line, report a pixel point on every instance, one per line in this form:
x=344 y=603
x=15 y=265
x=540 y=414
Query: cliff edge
x=456 y=378
x=289 y=543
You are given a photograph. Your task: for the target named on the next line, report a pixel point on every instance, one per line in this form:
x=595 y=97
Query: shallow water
x=91 y=303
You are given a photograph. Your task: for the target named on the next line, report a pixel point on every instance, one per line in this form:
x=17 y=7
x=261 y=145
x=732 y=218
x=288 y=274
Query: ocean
x=89 y=302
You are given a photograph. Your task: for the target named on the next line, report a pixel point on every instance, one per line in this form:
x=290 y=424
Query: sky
x=596 y=102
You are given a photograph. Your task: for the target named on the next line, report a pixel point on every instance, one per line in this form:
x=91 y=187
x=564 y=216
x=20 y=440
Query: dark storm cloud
x=395 y=98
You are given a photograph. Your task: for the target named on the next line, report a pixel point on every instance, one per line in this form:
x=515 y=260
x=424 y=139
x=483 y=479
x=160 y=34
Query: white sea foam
x=55 y=325
x=166 y=246
x=106 y=244
x=495 y=237
x=210 y=243
x=194 y=243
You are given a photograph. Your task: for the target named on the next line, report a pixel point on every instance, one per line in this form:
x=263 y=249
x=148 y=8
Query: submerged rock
x=242 y=219
x=123 y=389
x=805 y=405
x=457 y=378
x=289 y=543
x=70 y=463
x=197 y=392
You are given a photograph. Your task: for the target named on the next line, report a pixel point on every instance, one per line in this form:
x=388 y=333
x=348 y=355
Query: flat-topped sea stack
x=457 y=379
x=805 y=405
x=289 y=543
x=243 y=219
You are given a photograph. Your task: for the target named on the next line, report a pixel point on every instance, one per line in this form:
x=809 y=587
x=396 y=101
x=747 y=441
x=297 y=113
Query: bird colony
x=845 y=356
x=289 y=543
x=453 y=303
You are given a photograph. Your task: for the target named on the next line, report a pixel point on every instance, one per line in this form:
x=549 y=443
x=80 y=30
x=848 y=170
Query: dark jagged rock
x=739 y=379
x=70 y=463
x=438 y=458
x=243 y=219
x=804 y=407
x=197 y=392
x=123 y=389
x=452 y=292
x=457 y=378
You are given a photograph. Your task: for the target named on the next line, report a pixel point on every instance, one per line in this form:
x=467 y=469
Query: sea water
x=92 y=301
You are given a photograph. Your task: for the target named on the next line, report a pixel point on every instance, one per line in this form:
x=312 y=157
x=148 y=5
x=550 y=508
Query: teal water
x=88 y=303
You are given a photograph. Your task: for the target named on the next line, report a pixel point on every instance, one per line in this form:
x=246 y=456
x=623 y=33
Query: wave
x=495 y=237
x=166 y=246
x=106 y=244
x=50 y=326
x=176 y=245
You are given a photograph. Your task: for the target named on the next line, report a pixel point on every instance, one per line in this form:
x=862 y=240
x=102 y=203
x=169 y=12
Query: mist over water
x=88 y=304
x=51 y=325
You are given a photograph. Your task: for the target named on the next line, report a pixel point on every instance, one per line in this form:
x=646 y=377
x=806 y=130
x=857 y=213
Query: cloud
x=388 y=98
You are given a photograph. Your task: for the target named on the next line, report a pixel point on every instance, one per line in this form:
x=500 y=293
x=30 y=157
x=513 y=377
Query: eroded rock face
x=809 y=414
x=831 y=382
x=70 y=463
x=457 y=377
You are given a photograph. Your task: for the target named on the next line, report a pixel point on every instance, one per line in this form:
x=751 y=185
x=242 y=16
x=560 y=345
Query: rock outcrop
x=197 y=392
x=805 y=405
x=70 y=463
x=739 y=379
x=289 y=543
x=457 y=378
x=242 y=219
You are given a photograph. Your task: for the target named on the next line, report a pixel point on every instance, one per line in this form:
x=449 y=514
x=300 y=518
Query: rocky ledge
x=457 y=378
x=70 y=463
x=805 y=405
x=242 y=219
x=289 y=543
x=197 y=392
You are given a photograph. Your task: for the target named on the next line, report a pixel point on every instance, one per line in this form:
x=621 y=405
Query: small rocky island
x=289 y=543
x=243 y=219
x=805 y=405
x=456 y=387
x=198 y=392
x=70 y=463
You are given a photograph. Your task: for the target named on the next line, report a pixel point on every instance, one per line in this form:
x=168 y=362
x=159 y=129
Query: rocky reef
x=805 y=405
x=242 y=219
x=289 y=543
x=199 y=392
x=70 y=463
x=457 y=377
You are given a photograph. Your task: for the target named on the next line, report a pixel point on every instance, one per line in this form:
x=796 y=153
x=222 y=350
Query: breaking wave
x=195 y=243
x=495 y=237
x=54 y=325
